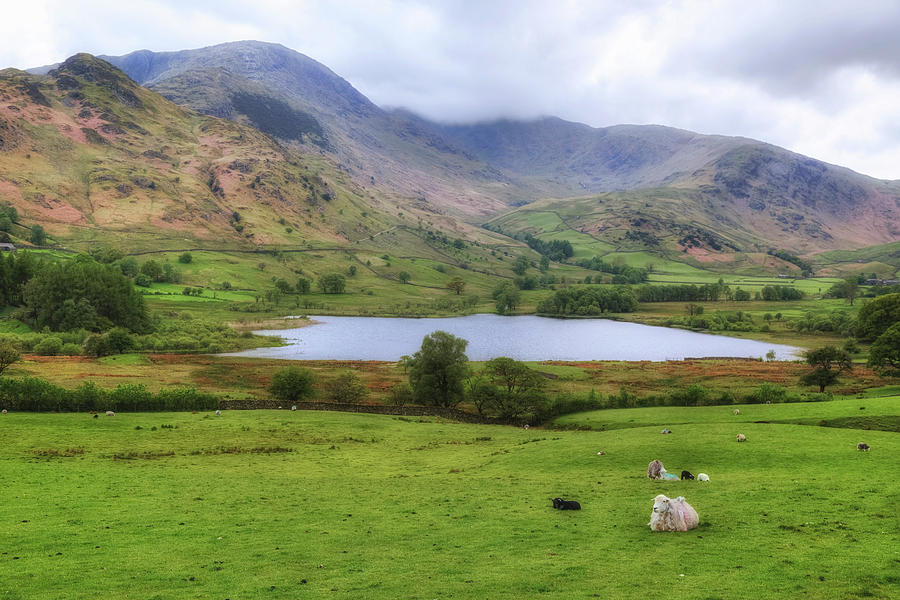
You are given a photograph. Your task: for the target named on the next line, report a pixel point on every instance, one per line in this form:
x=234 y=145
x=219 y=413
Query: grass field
x=273 y=504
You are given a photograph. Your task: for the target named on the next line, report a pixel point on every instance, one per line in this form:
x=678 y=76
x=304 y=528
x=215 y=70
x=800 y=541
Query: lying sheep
x=666 y=431
x=110 y=413
x=737 y=411
x=860 y=446
x=686 y=475
x=655 y=470
x=560 y=504
x=741 y=437
x=672 y=514
x=702 y=477
x=218 y=413
x=4 y=411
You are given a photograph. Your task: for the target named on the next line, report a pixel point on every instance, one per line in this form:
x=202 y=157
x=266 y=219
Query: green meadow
x=280 y=504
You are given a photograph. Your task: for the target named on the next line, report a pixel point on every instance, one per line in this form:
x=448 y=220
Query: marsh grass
x=367 y=506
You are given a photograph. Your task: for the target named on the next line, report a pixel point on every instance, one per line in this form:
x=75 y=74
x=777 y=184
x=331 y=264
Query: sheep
x=218 y=413
x=294 y=407
x=741 y=437
x=860 y=446
x=666 y=431
x=110 y=413
x=560 y=504
x=655 y=470
x=686 y=475
x=4 y=411
x=702 y=477
x=736 y=411
x=672 y=514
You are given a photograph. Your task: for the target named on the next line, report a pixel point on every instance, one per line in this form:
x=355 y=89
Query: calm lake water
x=521 y=338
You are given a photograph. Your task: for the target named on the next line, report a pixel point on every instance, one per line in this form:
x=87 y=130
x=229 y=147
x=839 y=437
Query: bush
x=49 y=346
x=70 y=349
x=401 y=395
x=292 y=384
x=185 y=258
x=347 y=388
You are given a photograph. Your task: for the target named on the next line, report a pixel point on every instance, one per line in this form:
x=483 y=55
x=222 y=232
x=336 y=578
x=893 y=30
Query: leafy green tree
x=827 y=362
x=517 y=388
x=8 y=355
x=876 y=316
x=292 y=384
x=6 y=223
x=129 y=266
x=545 y=262
x=506 y=298
x=457 y=284
x=520 y=265
x=848 y=288
x=437 y=371
x=404 y=277
x=152 y=269
x=351 y=270
x=347 y=388
x=884 y=355
x=332 y=283
x=284 y=286
x=38 y=236
x=303 y=285
x=185 y=258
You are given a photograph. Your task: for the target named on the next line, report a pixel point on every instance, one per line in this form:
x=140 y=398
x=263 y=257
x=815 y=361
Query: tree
x=827 y=362
x=292 y=384
x=404 y=277
x=8 y=355
x=347 y=388
x=185 y=258
x=848 y=288
x=518 y=388
x=507 y=298
x=38 y=236
x=283 y=286
x=884 y=355
x=545 y=262
x=438 y=369
x=303 y=285
x=520 y=265
x=332 y=283
x=152 y=269
x=457 y=284
x=876 y=316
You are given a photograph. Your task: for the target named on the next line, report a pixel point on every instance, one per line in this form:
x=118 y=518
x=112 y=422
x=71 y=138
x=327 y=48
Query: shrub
x=292 y=384
x=347 y=388
x=401 y=395
x=49 y=346
x=70 y=349
x=185 y=258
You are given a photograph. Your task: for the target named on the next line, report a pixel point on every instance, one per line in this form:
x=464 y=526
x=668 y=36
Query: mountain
x=627 y=186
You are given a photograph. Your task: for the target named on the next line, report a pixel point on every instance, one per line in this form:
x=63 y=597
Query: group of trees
x=622 y=273
x=593 y=300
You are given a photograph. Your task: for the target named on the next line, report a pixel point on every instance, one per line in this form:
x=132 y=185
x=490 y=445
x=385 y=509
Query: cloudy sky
x=818 y=77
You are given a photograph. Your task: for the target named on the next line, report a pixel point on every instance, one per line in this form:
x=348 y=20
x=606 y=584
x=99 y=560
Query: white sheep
x=4 y=411
x=737 y=411
x=110 y=413
x=672 y=514
x=294 y=407
x=741 y=437
x=218 y=413
x=702 y=477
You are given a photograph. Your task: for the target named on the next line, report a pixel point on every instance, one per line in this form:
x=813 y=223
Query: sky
x=821 y=78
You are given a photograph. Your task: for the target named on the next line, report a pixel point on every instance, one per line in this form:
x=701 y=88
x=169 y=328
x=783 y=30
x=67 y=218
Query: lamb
x=741 y=437
x=110 y=413
x=560 y=504
x=702 y=477
x=737 y=411
x=686 y=475
x=860 y=446
x=672 y=514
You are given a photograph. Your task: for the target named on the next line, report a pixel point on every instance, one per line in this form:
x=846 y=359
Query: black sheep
x=560 y=504
x=686 y=475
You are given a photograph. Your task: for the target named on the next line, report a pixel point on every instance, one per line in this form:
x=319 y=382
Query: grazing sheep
x=736 y=411
x=4 y=411
x=741 y=437
x=560 y=504
x=702 y=477
x=294 y=407
x=655 y=470
x=686 y=475
x=110 y=413
x=666 y=431
x=672 y=514
x=862 y=446
x=218 y=413
x=601 y=453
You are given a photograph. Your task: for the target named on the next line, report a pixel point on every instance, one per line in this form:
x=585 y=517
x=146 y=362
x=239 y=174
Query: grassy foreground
x=279 y=504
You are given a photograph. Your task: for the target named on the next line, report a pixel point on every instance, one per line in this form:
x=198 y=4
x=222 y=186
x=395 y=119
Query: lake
x=521 y=338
